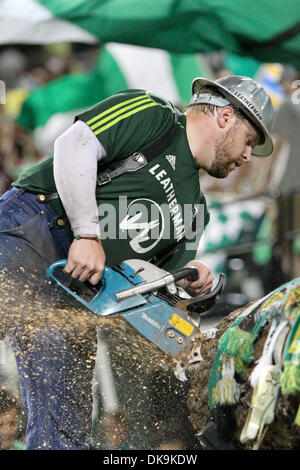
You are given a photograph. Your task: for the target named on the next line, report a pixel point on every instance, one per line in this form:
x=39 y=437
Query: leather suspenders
x=134 y=162
x=138 y=160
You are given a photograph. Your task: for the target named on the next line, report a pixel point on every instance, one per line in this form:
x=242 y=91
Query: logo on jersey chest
x=145 y=223
x=172 y=160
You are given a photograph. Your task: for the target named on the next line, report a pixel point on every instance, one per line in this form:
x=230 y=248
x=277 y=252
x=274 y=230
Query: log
x=220 y=426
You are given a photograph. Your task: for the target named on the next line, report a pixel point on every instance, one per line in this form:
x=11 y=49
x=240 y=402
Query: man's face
x=233 y=149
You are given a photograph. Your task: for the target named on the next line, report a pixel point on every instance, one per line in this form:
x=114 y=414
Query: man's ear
x=225 y=116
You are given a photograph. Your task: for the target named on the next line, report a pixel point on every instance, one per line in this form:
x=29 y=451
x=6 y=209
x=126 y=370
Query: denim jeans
x=54 y=366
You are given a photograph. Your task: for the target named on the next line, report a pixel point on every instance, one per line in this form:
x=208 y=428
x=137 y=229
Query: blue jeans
x=54 y=356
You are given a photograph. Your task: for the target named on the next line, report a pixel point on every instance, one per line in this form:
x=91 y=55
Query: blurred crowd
x=273 y=182
x=23 y=69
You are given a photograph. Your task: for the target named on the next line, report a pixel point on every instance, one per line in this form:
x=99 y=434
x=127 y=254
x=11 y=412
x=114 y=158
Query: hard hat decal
x=247 y=102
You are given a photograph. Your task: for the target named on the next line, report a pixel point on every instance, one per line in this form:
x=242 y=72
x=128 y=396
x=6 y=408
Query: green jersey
x=142 y=214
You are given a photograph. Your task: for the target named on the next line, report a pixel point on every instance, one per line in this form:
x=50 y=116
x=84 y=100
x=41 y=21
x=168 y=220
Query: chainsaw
x=149 y=299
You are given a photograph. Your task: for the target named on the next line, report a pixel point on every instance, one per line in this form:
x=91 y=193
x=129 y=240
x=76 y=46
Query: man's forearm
x=76 y=155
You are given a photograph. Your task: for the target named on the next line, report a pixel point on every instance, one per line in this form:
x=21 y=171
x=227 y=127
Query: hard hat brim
x=260 y=150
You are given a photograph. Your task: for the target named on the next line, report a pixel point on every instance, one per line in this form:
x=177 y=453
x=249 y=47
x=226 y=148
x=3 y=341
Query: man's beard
x=221 y=165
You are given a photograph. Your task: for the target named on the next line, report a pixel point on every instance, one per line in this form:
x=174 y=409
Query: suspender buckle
x=139 y=157
x=103 y=179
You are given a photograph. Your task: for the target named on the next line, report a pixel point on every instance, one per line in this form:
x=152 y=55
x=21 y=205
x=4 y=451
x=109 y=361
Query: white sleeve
x=76 y=155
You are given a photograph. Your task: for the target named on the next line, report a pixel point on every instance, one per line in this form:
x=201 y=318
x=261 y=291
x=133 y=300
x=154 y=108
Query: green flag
x=266 y=30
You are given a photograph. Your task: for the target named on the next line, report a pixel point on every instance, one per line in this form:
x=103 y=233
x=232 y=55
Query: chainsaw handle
x=190 y=273
x=61 y=264
x=50 y=270
x=204 y=302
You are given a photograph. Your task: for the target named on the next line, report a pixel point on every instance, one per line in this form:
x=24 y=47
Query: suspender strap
x=138 y=160
x=134 y=162
x=161 y=144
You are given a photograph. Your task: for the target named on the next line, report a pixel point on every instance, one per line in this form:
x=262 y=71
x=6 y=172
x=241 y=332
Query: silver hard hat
x=249 y=97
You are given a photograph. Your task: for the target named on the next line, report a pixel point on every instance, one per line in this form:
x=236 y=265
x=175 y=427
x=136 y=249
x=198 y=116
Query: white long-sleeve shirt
x=76 y=155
